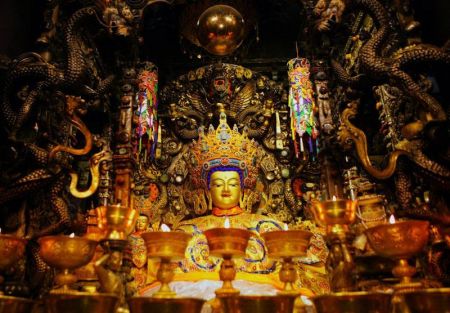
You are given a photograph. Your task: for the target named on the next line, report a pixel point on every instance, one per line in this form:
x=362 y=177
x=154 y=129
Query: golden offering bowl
x=166 y=246
x=171 y=244
x=15 y=305
x=11 y=250
x=118 y=221
x=80 y=302
x=399 y=241
x=227 y=243
x=287 y=244
x=66 y=253
x=353 y=302
x=177 y=305
x=336 y=215
x=428 y=300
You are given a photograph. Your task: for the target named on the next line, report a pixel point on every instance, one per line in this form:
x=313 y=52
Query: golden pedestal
x=400 y=241
x=336 y=216
x=227 y=243
x=167 y=246
x=65 y=254
x=118 y=221
x=286 y=245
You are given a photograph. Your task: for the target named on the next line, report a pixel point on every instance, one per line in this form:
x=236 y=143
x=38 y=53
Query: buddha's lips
x=226 y=194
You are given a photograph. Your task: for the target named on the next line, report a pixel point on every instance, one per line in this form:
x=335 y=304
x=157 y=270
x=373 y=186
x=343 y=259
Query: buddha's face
x=225 y=189
x=142 y=223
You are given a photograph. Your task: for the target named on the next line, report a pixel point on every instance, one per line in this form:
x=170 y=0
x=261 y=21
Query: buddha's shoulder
x=248 y=220
x=202 y=222
x=260 y=222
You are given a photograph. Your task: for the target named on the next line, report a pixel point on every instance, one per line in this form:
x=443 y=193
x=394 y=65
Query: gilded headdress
x=225 y=149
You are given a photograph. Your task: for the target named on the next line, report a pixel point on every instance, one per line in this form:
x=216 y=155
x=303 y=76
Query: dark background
x=20 y=23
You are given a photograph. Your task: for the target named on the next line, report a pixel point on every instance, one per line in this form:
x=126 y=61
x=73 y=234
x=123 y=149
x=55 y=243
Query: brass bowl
x=177 y=305
x=335 y=212
x=168 y=245
x=287 y=243
x=80 y=302
x=353 y=302
x=11 y=250
x=15 y=305
x=227 y=241
x=64 y=252
x=400 y=240
x=118 y=221
x=428 y=300
x=265 y=304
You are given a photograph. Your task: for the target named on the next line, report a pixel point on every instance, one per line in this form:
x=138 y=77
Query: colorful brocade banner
x=301 y=104
x=147 y=119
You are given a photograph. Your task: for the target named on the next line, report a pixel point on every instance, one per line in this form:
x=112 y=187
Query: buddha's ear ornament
x=242 y=200
x=209 y=198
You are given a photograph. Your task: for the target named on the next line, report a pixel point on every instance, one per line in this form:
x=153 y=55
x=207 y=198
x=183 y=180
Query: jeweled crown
x=223 y=147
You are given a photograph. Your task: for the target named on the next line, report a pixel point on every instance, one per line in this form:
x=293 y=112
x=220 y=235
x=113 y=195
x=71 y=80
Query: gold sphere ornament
x=220 y=29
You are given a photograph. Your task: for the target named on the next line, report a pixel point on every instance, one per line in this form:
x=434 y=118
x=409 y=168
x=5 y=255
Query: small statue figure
x=112 y=279
x=139 y=252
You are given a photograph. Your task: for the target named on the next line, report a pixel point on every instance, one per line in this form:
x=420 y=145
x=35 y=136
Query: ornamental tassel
x=301 y=101
x=147 y=128
x=297 y=154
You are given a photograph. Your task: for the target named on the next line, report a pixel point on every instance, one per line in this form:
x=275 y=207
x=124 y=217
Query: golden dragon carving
x=94 y=167
x=73 y=104
x=350 y=133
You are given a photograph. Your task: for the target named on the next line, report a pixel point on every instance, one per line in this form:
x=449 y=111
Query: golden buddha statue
x=139 y=252
x=223 y=163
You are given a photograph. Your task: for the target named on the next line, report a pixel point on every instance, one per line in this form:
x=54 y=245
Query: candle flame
x=165 y=228
x=286 y=226
x=72 y=235
x=334 y=198
x=227 y=223
x=392 y=219
x=0 y=230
